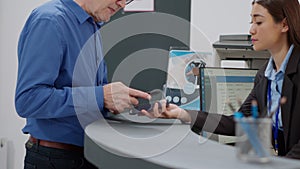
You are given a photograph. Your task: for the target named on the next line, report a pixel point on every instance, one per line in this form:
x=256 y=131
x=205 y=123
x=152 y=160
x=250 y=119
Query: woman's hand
x=170 y=111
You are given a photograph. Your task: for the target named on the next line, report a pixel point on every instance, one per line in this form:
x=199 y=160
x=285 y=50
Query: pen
x=230 y=105
x=254 y=109
x=239 y=101
x=281 y=102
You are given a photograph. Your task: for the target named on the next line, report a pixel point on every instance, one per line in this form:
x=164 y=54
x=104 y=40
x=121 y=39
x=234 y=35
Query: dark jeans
x=40 y=157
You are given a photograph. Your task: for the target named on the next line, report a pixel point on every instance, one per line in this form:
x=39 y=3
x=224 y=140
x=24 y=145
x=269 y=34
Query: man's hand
x=118 y=97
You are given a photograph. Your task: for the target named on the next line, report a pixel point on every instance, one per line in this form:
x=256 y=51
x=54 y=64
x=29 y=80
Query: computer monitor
x=221 y=86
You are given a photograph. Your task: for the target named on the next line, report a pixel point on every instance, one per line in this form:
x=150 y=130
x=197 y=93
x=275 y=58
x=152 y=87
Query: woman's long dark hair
x=281 y=9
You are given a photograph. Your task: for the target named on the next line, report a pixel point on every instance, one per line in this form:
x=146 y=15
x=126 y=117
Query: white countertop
x=168 y=145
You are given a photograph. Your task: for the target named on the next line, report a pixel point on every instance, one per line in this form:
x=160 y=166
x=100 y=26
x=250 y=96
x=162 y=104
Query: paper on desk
x=140 y=5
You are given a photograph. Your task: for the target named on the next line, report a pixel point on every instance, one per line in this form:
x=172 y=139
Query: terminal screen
x=220 y=87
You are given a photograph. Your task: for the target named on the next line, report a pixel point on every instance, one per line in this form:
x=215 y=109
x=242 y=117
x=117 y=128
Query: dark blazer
x=290 y=144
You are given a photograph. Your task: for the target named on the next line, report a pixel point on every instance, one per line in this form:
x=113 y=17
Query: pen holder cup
x=253 y=139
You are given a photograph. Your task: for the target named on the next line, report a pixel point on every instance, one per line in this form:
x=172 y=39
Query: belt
x=56 y=145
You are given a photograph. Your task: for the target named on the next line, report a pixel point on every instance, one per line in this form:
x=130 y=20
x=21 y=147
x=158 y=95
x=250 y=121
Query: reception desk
x=120 y=144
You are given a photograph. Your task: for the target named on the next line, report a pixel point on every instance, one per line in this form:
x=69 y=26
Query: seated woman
x=275 y=26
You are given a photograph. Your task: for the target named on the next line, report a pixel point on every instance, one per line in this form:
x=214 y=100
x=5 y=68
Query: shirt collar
x=270 y=67
x=81 y=15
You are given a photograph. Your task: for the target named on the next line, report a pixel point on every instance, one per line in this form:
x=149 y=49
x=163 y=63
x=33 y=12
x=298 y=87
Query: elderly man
x=62 y=80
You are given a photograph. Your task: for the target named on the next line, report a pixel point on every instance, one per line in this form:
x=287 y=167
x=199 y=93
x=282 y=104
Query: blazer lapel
x=286 y=108
x=287 y=91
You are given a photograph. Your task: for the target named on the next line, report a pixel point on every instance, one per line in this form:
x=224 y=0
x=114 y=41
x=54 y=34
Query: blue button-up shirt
x=61 y=72
x=276 y=79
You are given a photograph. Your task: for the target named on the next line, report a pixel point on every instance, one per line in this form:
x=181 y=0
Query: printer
x=239 y=47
